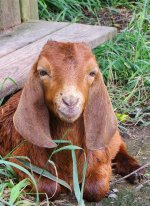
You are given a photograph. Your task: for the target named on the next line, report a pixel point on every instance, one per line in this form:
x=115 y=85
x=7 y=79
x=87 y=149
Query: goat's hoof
x=137 y=177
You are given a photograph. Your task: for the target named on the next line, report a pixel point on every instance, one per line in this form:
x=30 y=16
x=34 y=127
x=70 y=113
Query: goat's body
x=7 y=130
x=99 y=161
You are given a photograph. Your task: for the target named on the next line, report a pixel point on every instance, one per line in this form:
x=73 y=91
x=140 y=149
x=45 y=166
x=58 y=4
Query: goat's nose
x=70 y=101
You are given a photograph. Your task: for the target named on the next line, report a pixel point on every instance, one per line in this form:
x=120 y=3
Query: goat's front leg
x=98 y=175
x=125 y=164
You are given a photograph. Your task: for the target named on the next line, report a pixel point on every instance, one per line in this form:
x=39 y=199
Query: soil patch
x=138 y=143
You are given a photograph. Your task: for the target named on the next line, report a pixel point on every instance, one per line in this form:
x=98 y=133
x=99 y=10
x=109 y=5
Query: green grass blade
x=25 y=171
x=75 y=177
x=78 y=193
x=83 y=177
x=69 y=147
x=44 y=173
x=17 y=189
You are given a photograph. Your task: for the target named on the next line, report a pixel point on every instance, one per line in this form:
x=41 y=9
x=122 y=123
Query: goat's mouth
x=69 y=115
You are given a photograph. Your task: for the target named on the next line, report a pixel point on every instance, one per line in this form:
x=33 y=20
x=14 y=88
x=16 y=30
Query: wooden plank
x=92 y=35
x=25 y=10
x=29 y=10
x=34 y=14
x=9 y=13
x=17 y=64
x=26 y=33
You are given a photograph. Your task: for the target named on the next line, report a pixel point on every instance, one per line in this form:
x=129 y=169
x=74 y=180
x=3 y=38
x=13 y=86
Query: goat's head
x=66 y=81
x=66 y=72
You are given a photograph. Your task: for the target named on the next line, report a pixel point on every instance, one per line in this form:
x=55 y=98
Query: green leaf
x=122 y=117
x=75 y=177
x=61 y=141
x=83 y=176
x=78 y=193
x=7 y=79
x=25 y=171
x=69 y=147
x=17 y=189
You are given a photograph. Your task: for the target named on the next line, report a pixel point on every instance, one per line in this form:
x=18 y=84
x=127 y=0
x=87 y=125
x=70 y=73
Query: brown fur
x=37 y=121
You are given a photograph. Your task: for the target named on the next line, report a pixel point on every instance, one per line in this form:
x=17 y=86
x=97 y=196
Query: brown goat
x=65 y=91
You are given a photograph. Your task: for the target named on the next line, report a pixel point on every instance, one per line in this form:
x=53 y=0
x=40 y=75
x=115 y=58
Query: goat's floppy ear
x=99 y=118
x=31 y=118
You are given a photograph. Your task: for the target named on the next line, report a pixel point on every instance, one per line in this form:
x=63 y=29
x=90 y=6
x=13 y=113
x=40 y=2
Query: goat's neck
x=73 y=132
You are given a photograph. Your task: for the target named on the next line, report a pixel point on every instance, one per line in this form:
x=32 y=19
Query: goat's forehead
x=70 y=56
x=66 y=51
x=66 y=48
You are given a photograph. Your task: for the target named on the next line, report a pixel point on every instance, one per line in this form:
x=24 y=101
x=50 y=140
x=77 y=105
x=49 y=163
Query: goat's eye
x=42 y=73
x=92 y=74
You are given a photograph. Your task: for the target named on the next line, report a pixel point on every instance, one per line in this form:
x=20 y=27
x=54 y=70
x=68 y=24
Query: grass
x=125 y=64
x=11 y=190
x=67 y=10
x=130 y=198
x=76 y=10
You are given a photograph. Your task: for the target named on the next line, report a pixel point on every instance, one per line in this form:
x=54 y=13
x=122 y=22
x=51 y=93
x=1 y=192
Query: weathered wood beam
x=26 y=33
x=29 y=10
x=9 y=13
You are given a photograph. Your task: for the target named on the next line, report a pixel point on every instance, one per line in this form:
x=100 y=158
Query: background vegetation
x=125 y=64
x=124 y=60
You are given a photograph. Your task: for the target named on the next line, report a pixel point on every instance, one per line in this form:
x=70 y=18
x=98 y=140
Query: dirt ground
x=138 y=143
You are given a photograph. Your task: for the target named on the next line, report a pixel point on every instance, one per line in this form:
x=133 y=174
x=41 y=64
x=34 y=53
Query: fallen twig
x=142 y=167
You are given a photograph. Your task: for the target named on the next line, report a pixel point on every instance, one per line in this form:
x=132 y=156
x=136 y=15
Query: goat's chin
x=69 y=118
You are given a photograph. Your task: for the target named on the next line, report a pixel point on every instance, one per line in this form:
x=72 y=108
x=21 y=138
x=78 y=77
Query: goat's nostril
x=70 y=102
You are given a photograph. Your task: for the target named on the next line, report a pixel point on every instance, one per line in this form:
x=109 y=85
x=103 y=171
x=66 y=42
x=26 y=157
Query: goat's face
x=66 y=71
x=66 y=81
